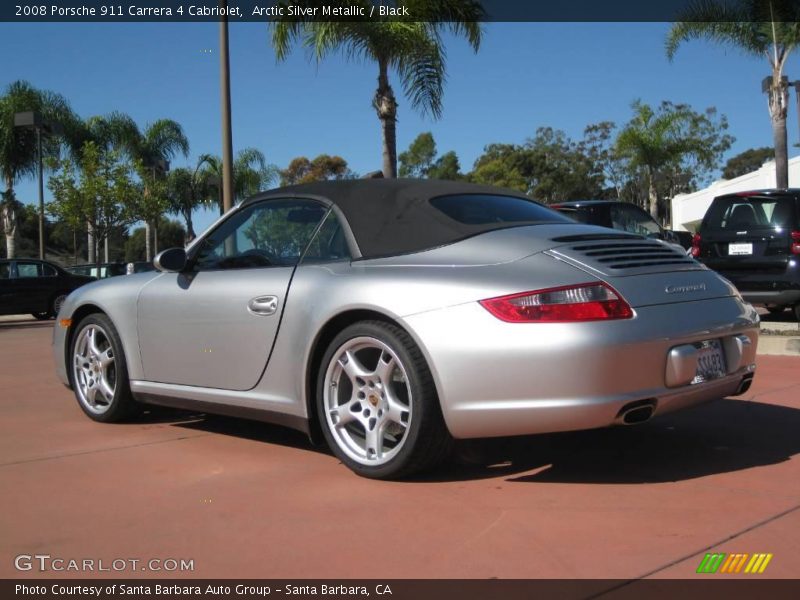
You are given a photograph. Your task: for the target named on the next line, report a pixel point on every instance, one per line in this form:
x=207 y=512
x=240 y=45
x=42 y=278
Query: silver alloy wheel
x=367 y=401
x=94 y=369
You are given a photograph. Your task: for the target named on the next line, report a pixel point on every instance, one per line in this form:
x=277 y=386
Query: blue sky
x=526 y=75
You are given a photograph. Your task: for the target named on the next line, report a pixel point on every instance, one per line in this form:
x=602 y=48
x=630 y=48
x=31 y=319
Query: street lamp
x=34 y=120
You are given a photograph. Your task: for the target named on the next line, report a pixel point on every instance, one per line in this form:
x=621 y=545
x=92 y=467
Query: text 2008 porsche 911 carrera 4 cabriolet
x=397 y=315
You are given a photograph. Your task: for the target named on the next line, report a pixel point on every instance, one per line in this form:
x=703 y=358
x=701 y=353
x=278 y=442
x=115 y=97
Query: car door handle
x=263 y=305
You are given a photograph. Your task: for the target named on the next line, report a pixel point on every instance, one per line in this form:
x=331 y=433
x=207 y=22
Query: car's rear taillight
x=796 y=242
x=696 y=239
x=584 y=302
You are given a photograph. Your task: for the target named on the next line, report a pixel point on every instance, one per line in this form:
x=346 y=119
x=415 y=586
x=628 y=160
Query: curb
x=779 y=345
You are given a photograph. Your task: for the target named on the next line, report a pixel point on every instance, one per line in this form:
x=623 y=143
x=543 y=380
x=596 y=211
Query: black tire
x=119 y=406
x=42 y=316
x=56 y=302
x=426 y=441
x=775 y=310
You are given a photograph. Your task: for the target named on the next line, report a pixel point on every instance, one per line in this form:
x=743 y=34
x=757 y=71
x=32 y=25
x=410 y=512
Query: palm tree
x=413 y=49
x=189 y=189
x=251 y=174
x=761 y=28
x=18 y=154
x=656 y=141
x=153 y=148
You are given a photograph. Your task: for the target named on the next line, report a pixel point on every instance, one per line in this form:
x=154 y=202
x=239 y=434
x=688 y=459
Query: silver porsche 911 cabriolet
x=397 y=315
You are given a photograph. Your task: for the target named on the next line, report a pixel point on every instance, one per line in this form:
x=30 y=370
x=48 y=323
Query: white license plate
x=710 y=361
x=740 y=249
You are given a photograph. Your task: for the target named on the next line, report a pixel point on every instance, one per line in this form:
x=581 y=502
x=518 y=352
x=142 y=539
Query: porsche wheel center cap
x=373 y=399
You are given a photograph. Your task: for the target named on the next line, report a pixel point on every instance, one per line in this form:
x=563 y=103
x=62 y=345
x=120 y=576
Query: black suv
x=35 y=286
x=753 y=239
x=623 y=216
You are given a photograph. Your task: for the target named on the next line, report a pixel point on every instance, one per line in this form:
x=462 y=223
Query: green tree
x=18 y=153
x=418 y=159
x=115 y=132
x=503 y=165
x=413 y=49
x=671 y=144
x=101 y=195
x=747 y=162
x=762 y=28
x=251 y=174
x=446 y=167
x=549 y=167
x=171 y=232
x=322 y=168
x=152 y=149
x=189 y=189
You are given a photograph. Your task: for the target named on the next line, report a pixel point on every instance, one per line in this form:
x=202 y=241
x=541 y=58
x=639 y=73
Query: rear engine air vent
x=627 y=256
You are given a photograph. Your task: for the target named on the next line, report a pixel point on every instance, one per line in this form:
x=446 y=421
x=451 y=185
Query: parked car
x=35 y=286
x=105 y=270
x=395 y=315
x=753 y=239
x=623 y=216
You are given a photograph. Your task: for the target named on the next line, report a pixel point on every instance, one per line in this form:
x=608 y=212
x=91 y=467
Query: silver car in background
x=393 y=316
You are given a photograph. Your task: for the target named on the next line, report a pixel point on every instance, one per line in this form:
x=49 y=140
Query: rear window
x=483 y=209
x=736 y=213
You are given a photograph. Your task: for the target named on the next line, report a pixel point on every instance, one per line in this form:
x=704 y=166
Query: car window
x=577 y=214
x=5 y=271
x=329 y=244
x=26 y=270
x=480 y=209
x=49 y=271
x=633 y=220
x=266 y=234
x=736 y=213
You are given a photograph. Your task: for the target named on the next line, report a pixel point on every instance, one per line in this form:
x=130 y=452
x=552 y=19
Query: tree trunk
x=105 y=248
x=10 y=220
x=90 y=245
x=781 y=152
x=778 y=105
x=10 y=230
x=189 y=227
x=386 y=106
x=155 y=238
x=147 y=254
x=74 y=245
x=652 y=195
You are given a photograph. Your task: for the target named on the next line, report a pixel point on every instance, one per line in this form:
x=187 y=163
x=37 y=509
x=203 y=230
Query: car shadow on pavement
x=257 y=431
x=718 y=437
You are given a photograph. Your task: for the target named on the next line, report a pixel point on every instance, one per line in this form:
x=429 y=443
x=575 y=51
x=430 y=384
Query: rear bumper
x=500 y=379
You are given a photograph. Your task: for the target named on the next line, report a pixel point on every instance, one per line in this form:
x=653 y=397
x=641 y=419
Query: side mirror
x=172 y=260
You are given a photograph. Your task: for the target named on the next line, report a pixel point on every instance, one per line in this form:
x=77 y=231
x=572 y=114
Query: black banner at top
x=33 y=11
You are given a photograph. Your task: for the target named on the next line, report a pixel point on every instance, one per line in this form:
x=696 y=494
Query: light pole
x=796 y=86
x=34 y=120
x=225 y=101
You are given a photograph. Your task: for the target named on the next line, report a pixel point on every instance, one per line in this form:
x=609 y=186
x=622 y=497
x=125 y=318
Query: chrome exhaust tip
x=636 y=412
x=745 y=384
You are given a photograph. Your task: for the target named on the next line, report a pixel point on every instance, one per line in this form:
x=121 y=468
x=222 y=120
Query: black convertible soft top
x=395 y=216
